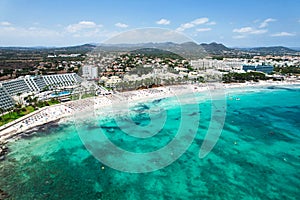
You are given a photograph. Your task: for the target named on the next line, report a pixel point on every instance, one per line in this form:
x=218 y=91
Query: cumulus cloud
x=72 y=28
x=5 y=23
x=24 y=32
x=203 y=29
x=81 y=32
x=148 y=35
x=121 y=25
x=200 y=21
x=282 y=34
x=163 y=22
x=196 y=22
x=266 y=22
x=239 y=36
x=211 y=23
x=249 y=30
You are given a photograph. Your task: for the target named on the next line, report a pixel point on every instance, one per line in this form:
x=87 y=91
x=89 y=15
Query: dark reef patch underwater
x=256 y=157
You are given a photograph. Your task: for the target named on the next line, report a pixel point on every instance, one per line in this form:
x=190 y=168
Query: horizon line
x=99 y=44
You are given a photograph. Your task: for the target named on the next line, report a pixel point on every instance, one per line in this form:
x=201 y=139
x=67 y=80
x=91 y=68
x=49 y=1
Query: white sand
x=65 y=110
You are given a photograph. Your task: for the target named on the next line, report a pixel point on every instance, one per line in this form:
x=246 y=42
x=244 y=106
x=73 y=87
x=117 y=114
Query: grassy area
x=13 y=115
x=47 y=103
x=53 y=102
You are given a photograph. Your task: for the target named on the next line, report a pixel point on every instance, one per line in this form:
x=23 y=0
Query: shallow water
x=256 y=157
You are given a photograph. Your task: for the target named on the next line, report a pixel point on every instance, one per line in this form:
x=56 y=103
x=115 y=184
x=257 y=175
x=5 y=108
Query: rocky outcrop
x=3 y=194
x=3 y=150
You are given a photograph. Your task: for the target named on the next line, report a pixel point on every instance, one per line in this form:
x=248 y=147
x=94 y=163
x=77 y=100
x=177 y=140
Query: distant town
x=32 y=78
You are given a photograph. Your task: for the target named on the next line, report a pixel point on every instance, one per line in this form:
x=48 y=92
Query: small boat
x=237 y=99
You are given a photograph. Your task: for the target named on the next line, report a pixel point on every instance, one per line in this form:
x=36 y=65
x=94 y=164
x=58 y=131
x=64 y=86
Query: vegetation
x=15 y=114
x=156 y=53
x=53 y=102
x=243 y=77
x=20 y=111
x=17 y=61
x=288 y=70
x=41 y=104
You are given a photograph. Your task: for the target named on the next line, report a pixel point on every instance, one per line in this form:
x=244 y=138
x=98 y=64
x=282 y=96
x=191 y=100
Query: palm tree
x=178 y=79
x=130 y=84
x=34 y=102
x=172 y=80
x=19 y=99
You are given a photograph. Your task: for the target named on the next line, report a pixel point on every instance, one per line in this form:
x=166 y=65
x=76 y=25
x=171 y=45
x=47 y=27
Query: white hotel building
x=227 y=65
x=89 y=72
x=27 y=84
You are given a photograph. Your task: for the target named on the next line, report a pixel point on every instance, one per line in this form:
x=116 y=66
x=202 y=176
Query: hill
x=215 y=48
x=275 y=50
x=156 y=53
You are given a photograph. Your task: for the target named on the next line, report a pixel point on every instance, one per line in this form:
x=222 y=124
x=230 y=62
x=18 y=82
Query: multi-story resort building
x=228 y=64
x=89 y=72
x=15 y=87
x=261 y=68
x=61 y=80
x=6 y=102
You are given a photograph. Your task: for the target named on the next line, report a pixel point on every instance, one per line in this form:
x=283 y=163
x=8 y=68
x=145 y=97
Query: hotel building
x=27 y=84
x=6 y=102
x=89 y=72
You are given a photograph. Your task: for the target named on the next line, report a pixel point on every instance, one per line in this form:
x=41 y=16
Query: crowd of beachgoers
x=66 y=109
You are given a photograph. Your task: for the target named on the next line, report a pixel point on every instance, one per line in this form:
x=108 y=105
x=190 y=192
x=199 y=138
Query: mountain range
x=194 y=50
x=188 y=49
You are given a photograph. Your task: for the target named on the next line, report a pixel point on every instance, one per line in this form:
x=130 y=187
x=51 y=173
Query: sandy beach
x=66 y=110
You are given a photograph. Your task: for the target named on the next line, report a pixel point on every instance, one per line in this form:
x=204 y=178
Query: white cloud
x=196 y=22
x=82 y=32
x=211 y=23
x=256 y=21
x=148 y=35
x=266 y=22
x=239 y=36
x=187 y=25
x=249 y=30
x=163 y=22
x=23 y=32
x=242 y=30
x=260 y=31
x=72 y=28
x=5 y=23
x=8 y=28
x=282 y=34
x=203 y=29
x=202 y=20
x=121 y=25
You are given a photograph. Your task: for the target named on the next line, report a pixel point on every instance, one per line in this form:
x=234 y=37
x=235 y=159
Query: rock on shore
x=3 y=150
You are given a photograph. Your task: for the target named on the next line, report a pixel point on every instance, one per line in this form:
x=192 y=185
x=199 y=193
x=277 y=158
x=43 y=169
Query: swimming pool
x=59 y=94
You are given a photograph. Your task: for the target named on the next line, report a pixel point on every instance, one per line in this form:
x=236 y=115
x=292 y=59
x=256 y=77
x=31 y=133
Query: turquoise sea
x=256 y=157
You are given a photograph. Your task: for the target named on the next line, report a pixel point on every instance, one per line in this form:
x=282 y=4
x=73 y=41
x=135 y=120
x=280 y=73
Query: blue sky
x=233 y=23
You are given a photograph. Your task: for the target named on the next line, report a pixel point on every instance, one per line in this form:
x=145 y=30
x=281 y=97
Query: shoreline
x=63 y=112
